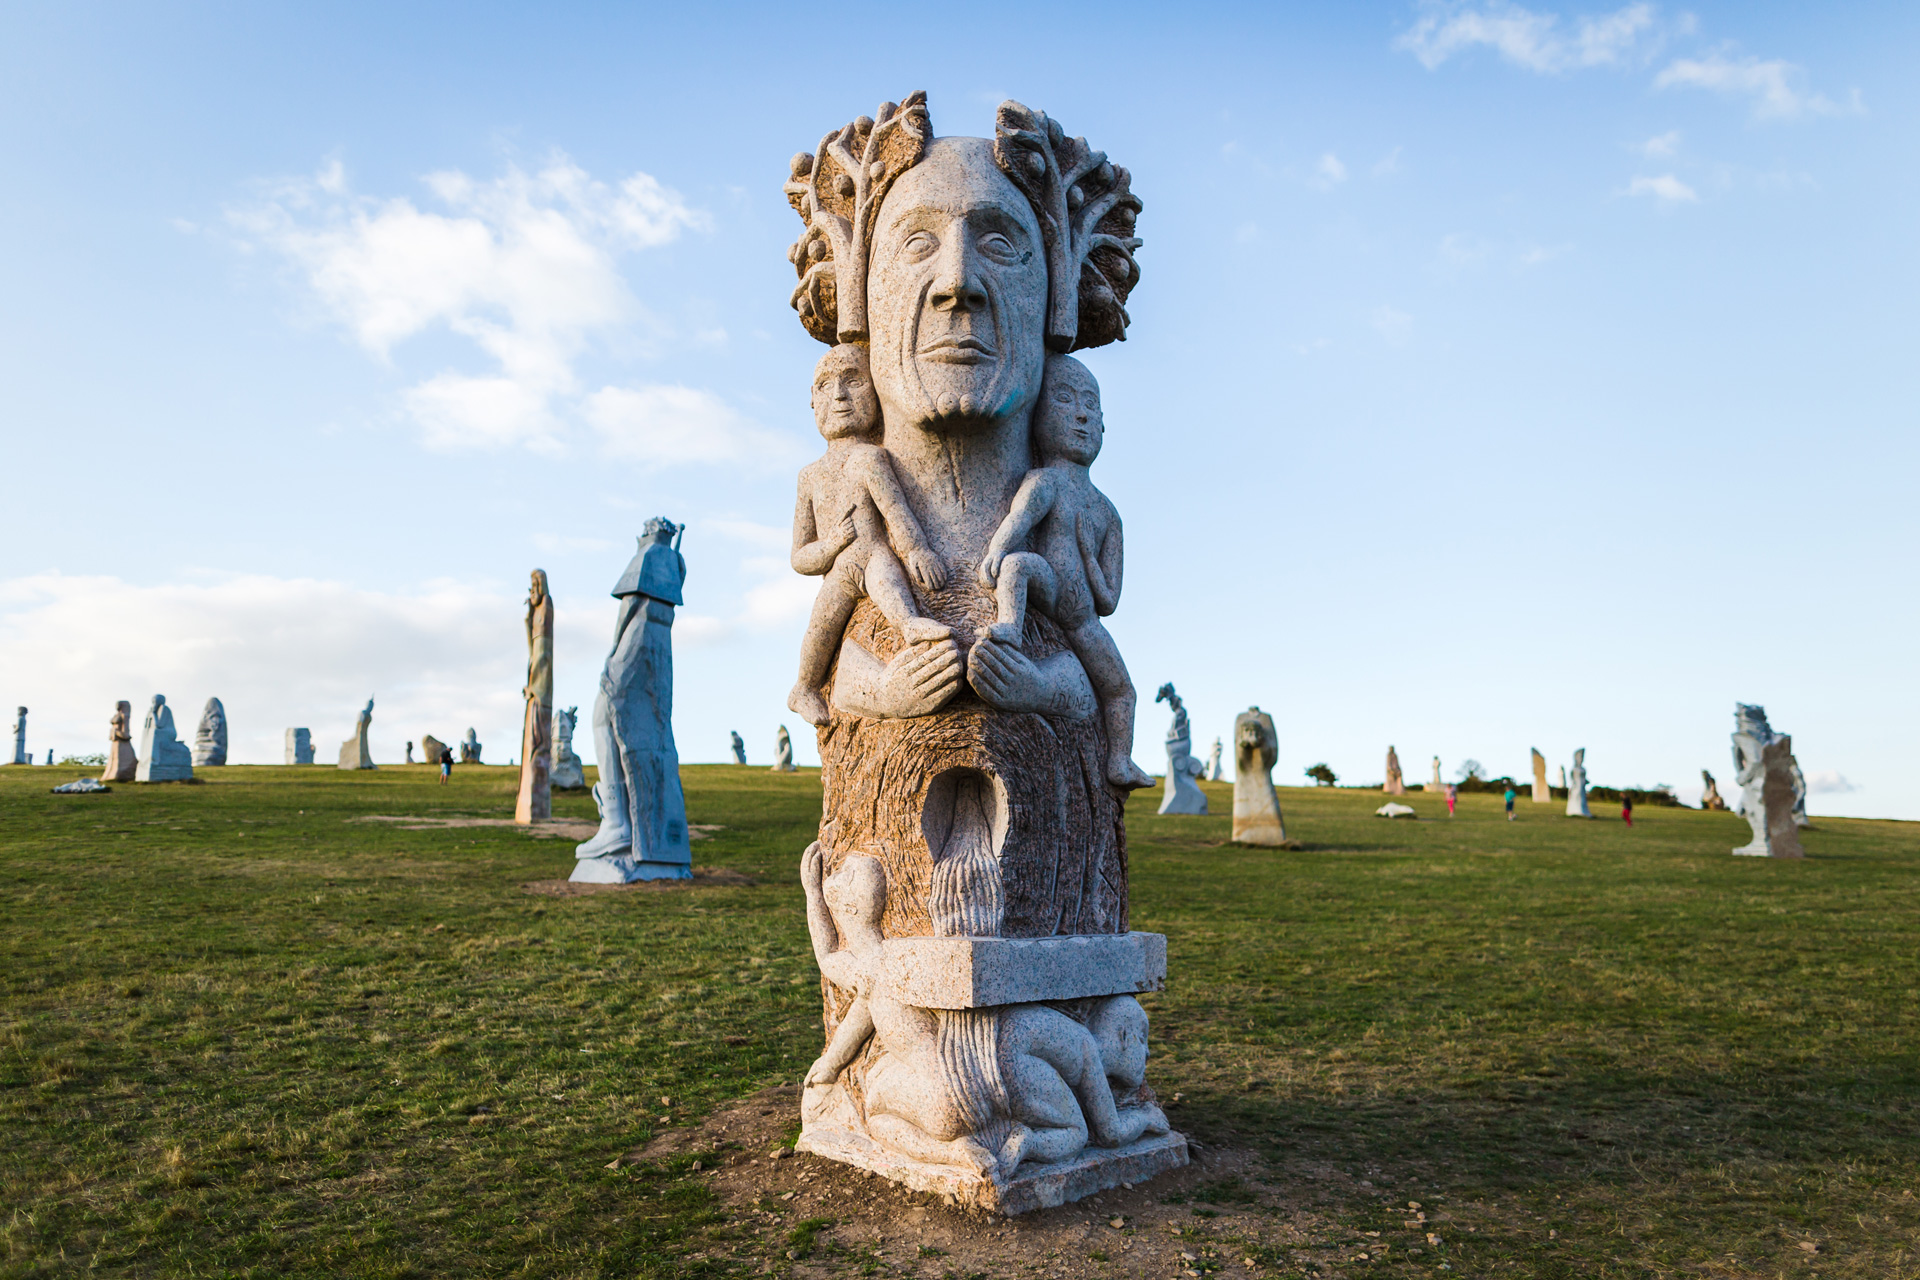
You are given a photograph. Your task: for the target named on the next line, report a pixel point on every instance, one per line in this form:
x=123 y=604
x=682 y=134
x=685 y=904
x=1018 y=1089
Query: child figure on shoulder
x=847 y=523
x=1073 y=572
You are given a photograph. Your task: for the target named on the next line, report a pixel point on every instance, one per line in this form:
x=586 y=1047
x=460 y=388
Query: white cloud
x=1776 y=87
x=663 y=425
x=1828 y=782
x=523 y=266
x=1661 y=147
x=1387 y=165
x=1528 y=39
x=1666 y=188
x=1329 y=173
x=1392 y=324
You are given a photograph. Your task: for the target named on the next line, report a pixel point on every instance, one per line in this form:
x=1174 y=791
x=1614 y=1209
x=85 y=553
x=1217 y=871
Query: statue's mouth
x=967 y=350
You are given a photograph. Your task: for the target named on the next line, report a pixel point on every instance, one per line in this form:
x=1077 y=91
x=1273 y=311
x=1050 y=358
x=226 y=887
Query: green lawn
x=245 y=1035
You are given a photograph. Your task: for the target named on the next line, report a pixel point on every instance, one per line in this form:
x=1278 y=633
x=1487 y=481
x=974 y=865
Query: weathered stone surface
x=1181 y=795
x=1215 y=767
x=1577 y=786
x=356 y=752
x=1799 y=792
x=738 y=746
x=210 y=738
x=1763 y=767
x=121 y=761
x=431 y=749
x=81 y=787
x=1711 y=799
x=1396 y=781
x=1542 y=793
x=1436 y=782
x=1392 y=809
x=470 y=747
x=783 y=751
x=163 y=757
x=643 y=814
x=569 y=774
x=20 y=755
x=534 y=803
x=299 y=746
x=980 y=973
x=1256 y=805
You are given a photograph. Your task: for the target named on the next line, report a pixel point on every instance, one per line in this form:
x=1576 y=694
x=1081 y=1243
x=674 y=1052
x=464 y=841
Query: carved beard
x=944 y=395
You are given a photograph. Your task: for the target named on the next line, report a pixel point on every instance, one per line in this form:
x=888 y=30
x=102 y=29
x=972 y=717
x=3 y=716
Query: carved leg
x=1108 y=671
x=887 y=587
x=831 y=609
x=1024 y=578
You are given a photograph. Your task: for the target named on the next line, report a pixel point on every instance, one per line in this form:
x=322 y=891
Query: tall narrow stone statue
x=1256 y=805
x=356 y=752
x=470 y=747
x=163 y=757
x=783 y=752
x=1799 y=795
x=1542 y=793
x=210 y=738
x=121 y=762
x=1711 y=799
x=20 y=738
x=967 y=897
x=1763 y=768
x=1396 y=781
x=738 y=747
x=1181 y=794
x=299 y=746
x=1577 y=786
x=643 y=814
x=1215 y=769
x=1436 y=783
x=568 y=773
x=535 y=802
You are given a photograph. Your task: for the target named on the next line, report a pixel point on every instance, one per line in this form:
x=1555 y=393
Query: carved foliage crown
x=1084 y=203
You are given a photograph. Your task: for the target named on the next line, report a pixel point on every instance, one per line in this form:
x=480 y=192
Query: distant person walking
x=1509 y=798
x=446 y=764
x=1626 y=808
x=1453 y=798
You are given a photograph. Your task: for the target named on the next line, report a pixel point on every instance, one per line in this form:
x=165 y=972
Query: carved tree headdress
x=1084 y=204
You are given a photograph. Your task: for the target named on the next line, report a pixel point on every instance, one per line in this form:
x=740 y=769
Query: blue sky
x=1500 y=376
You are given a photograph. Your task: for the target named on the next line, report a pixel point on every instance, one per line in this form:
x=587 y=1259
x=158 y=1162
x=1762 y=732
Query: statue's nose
x=956 y=282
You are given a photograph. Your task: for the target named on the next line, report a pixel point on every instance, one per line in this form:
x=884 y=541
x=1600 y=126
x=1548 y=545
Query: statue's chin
x=945 y=396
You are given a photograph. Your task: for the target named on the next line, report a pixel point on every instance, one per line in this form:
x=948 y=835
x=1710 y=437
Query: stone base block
x=625 y=869
x=1032 y=1186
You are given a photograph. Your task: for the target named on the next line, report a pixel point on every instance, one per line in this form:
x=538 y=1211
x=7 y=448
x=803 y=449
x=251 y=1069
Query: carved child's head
x=856 y=894
x=1067 y=422
x=1119 y=1028
x=844 y=404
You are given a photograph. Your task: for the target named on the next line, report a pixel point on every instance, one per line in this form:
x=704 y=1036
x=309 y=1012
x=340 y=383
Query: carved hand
x=928 y=570
x=844 y=533
x=812 y=864
x=918 y=681
x=1008 y=679
x=990 y=569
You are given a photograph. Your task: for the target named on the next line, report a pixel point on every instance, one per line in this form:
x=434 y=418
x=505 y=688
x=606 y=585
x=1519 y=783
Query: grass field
x=247 y=1035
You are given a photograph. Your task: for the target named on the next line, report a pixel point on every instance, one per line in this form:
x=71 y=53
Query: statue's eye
x=998 y=247
x=919 y=245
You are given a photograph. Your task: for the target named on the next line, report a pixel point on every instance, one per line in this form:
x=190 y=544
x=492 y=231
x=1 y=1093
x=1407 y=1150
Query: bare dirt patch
x=709 y=877
x=1229 y=1212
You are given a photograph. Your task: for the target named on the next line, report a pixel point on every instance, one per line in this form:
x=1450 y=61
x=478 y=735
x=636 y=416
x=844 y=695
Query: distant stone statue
x=1763 y=767
x=1563 y=777
x=121 y=761
x=1436 y=783
x=431 y=749
x=356 y=752
x=1711 y=800
x=470 y=747
x=1577 y=786
x=1799 y=794
x=1215 y=769
x=20 y=755
x=643 y=814
x=535 y=802
x=739 y=747
x=1542 y=794
x=299 y=746
x=1396 y=781
x=163 y=757
x=1256 y=805
x=1181 y=795
x=210 y=739
x=783 y=752
x=410 y=759
x=568 y=773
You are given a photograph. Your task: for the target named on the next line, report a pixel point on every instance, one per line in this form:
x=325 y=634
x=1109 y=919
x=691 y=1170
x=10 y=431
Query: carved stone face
x=1067 y=423
x=956 y=292
x=843 y=401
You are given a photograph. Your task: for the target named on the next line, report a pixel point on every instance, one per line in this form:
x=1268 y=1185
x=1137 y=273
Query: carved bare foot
x=1123 y=773
x=1156 y=1120
x=821 y=1073
x=1005 y=633
x=1008 y=679
x=925 y=630
x=808 y=705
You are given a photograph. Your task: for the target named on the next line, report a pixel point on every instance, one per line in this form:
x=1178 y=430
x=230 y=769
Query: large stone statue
x=1396 y=781
x=470 y=747
x=535 y=801
x=1542 y=793
x=121 y=762
x=738 y=746
x=643 y=814
x=210 y=738
x=967 y=896
x=163 y=757
x=1215 y=769
x=783 y=751
x=568 y=773
x=20 y=755
x=1799 y=794
x=431 y=749
x=1181 y=794
x=1256 y=805
x=1711 y=799
x=1763 y=767
x=299 y=746
x=1436 y=782
x=356 y=752
x=1577 y=786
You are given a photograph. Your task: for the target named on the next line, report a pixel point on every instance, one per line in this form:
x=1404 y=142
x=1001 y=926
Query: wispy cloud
x=1328 y=173
x=1665 y=188
x=1828 y=782
x=665 y=425
x=1776 y=88
x=1535 y=41
x=1662 y=147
